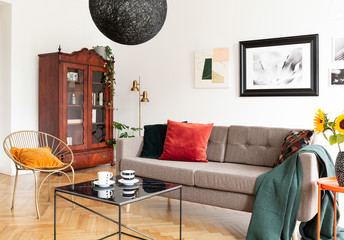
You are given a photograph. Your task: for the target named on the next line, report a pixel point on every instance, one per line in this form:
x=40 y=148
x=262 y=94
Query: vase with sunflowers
x=322 y=124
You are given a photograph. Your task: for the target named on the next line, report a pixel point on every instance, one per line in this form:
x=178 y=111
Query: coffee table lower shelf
x=70 y=189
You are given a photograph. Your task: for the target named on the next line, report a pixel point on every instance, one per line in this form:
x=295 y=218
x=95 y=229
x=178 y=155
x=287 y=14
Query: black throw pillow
x=153 y=140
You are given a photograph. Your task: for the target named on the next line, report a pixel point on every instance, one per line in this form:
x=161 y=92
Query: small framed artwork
x=337 y=76
x=280 y=66
x=211 y=68
x=338 y=49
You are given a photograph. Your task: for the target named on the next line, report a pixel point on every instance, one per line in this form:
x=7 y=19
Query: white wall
x=5 y=81
x=166 y=63
x=39 y=26
x=42 y=29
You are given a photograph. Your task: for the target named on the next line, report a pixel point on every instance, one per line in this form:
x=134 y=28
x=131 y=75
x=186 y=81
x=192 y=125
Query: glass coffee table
x=119 y=195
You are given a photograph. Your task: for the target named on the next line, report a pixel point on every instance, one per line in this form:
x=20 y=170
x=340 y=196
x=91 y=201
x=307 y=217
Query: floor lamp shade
x=129 y=22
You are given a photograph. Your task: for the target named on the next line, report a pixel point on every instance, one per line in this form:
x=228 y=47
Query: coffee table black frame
x=145 y=188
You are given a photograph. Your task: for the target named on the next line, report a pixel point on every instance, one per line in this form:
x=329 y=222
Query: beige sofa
x=237 y=156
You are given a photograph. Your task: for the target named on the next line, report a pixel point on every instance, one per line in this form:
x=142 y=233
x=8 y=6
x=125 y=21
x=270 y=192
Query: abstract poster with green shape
x=207 y=69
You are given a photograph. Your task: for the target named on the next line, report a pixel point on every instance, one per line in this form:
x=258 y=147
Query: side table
x=331 y=184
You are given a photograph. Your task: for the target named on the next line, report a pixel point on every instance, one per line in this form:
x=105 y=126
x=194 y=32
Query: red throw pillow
x=186 y=141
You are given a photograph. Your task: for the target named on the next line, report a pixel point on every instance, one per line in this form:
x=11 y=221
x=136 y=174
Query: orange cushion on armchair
x=186 y=141
x=36 y=157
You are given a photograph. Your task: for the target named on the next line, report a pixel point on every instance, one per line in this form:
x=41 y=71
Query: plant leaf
x=333 y=139
x=340 y=138
x=124 y=135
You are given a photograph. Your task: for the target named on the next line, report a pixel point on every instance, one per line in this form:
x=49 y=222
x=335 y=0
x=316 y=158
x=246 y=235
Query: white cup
x=128 y=174
x=104 y=177
x=105 y=193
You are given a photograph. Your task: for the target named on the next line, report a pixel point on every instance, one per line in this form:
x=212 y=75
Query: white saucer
x=105 y=184
x=128 y=182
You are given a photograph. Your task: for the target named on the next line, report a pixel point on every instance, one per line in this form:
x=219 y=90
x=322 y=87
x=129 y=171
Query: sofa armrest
x=309 y=190
x=127 y=147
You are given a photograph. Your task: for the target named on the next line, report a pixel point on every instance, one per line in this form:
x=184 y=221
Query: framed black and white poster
x=279 y=66
x=338 y=49
x=337 y=76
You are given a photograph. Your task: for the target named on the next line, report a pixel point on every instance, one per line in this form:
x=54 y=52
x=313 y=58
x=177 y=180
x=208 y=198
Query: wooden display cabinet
x=73 y=104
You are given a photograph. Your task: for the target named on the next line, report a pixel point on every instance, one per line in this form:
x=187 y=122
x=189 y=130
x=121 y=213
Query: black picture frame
x=312 y=69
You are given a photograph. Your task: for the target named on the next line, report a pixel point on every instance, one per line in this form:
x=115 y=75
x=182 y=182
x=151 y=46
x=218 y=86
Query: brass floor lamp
x=137 y=88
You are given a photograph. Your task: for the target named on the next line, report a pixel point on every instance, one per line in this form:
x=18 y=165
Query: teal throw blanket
x=277 y=201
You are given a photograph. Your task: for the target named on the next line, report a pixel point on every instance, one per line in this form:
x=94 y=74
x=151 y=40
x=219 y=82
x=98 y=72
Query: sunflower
x=319 y=122
x=339 y=124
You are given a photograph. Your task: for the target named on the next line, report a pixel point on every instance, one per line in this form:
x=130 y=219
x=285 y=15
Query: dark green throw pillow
x=153 y=140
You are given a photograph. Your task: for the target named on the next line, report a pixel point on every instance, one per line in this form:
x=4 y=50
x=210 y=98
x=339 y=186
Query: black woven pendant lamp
x=129 y=22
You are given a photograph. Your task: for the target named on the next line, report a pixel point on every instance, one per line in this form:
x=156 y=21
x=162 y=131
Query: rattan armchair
x=34 y=139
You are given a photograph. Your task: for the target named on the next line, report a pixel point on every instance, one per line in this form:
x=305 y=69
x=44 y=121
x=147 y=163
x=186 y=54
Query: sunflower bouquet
x=323 y=124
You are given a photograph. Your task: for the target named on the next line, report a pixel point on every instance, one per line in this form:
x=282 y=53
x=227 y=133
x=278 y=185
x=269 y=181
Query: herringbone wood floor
x=153 y=216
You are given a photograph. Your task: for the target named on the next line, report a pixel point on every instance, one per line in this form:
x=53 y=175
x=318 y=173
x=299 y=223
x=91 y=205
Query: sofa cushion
x=217 y=144
x=186 y=141
x=295 y=140
x=153 y=140
x=254 y=145
x=169 y=171
x=229 y=177
x=40 y=158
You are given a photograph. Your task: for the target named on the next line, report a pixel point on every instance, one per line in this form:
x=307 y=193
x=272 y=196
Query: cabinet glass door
x=98 y=102
x=76 y=84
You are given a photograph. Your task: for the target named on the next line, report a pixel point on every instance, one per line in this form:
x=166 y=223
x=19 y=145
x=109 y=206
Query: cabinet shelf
x=75 y=121
x=76 y=91
x=71 y=81
x=74 y=105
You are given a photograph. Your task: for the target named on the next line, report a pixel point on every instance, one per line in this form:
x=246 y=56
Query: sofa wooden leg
x=169 y=203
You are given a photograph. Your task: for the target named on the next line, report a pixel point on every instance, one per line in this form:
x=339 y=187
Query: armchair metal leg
x=49 y=189
x=36 y=194
x=14 y=189
x=73 y=181
x=41 y=185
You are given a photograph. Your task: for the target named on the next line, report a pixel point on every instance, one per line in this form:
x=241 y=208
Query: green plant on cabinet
x=110 y=80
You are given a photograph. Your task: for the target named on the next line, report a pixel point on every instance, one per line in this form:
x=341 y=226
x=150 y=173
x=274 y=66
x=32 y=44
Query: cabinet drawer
x=100 y=158
x=80 y=161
